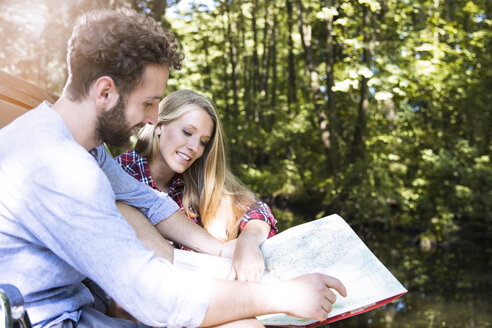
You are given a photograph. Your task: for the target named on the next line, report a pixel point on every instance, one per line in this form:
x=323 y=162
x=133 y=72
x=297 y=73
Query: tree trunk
x=256 y=66
x=115 y=4
x=273 y=49
x=265 y=59
x=322 y=118
x=359 y=140
x=232 y=55
x=332 y=105
x=245 y=69
x=157 y=9
x=291 y=87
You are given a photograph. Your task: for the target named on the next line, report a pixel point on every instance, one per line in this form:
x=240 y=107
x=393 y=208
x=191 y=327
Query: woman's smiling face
x=183 y=141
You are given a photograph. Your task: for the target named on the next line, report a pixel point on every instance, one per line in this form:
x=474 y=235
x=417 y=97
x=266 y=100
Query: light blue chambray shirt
x=59 y=224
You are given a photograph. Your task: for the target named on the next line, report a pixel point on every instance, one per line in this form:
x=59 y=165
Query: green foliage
x=426 y=161
x=377 y=110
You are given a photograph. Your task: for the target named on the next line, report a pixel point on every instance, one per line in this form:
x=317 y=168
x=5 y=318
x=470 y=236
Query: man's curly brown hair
x=116 y=43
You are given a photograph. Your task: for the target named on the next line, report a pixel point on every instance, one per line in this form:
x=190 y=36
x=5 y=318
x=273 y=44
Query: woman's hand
x=228 y=248
x=247 y=259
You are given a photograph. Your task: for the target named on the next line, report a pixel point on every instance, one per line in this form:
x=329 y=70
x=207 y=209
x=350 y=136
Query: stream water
x=447 y=286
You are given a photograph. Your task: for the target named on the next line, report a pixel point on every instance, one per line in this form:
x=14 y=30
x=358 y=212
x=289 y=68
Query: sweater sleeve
x=155 y=205
x=73 y=214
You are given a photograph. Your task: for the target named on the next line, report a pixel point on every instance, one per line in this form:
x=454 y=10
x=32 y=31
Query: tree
x=375 y=109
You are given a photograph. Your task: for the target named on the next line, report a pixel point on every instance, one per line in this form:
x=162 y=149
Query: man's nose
x=151 y=115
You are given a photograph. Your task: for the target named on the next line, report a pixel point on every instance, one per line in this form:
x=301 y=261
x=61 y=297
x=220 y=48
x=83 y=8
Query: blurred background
x=378 y=110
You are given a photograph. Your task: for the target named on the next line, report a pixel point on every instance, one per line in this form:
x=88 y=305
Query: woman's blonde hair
x=211 y=191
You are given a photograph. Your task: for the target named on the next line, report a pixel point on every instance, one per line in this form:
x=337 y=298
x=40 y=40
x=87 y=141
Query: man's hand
x=310 y=296
x=307 y=296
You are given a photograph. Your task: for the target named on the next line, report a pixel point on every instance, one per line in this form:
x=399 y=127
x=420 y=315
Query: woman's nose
x=193 y=145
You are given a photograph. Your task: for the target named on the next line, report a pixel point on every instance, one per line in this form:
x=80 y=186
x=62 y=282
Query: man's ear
x=105 y=93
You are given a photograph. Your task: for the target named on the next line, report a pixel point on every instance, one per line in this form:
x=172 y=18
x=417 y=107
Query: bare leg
x=146 y=232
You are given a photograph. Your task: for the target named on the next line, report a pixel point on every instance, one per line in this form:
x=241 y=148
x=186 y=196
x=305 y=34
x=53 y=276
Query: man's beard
x=112 y=127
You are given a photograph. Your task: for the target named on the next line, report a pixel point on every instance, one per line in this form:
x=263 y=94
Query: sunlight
x=187 y=5
x=29 y=17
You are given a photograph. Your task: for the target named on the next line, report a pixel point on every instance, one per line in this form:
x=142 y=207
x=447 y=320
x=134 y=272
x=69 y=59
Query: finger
x=242 y=275
x=322 y=312
x=336 y=284
x=232 y=274
x=261 y=269
x=249 y=275
x=258 y=276
x=327 y=307
x=252 y=276
x=331 y=297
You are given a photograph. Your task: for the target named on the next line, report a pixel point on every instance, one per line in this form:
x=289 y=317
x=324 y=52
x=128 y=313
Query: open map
x=329 y=246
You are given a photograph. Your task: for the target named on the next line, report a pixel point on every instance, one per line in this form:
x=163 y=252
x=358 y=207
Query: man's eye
x=148 y=104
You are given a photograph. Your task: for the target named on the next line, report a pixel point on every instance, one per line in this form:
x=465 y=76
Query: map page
x=328 y=246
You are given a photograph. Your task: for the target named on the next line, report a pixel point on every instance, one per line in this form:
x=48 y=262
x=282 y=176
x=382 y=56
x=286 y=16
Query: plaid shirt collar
x=138 y=167
x=177 y=184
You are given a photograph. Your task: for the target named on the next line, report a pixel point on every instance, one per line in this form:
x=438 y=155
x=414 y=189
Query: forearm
x=255 y=232
x=146 y=232
x=307 y=296
x=235 y=300
x=178 y=228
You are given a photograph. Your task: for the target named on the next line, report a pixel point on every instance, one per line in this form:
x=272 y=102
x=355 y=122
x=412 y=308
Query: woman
x=184 y=154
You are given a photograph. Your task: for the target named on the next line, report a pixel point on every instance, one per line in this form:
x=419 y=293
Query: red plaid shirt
x=138 y=167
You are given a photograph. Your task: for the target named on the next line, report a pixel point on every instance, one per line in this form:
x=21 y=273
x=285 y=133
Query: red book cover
x=350 y=313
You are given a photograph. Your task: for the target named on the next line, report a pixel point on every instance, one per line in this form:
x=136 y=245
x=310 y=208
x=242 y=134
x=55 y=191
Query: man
x=58 y=220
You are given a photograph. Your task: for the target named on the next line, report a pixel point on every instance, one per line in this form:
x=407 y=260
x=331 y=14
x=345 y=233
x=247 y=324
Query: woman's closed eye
x=187 y=133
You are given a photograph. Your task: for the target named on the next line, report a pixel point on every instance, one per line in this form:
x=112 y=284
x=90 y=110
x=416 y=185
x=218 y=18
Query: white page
x=213 y=266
